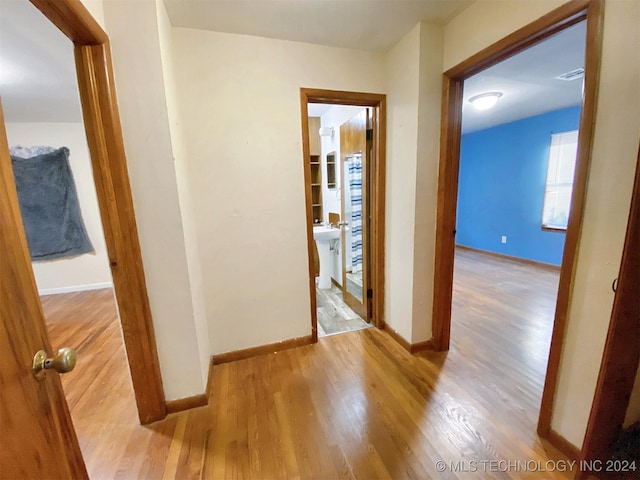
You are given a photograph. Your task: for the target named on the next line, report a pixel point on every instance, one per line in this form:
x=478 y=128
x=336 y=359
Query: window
x=557 y=196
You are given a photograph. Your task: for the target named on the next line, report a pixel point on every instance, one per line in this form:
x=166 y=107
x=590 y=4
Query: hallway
x=351 y=406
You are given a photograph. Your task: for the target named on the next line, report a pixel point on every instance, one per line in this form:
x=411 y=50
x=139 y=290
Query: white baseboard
x=75 y=288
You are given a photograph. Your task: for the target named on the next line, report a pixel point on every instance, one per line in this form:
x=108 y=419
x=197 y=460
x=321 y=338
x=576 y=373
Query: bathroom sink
x=324 y=233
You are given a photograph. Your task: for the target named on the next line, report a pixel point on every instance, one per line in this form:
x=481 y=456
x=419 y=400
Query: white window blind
x=560 y=170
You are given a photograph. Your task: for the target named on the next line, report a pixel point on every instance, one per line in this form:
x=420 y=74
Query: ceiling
x=374 y=25
x=38 y=82
x=527 y=81
x=37 y=69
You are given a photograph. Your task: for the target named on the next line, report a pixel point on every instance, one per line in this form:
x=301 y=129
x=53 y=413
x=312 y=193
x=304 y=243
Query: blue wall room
x=501 y=187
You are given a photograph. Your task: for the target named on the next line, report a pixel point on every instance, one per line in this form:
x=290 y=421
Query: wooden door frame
x=622 y=348
x=379 y=104
x=104 y=138
x=453 y=81
x=361 y=308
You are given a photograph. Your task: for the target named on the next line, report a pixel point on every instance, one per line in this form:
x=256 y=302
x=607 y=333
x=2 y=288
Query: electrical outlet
x=504 y=239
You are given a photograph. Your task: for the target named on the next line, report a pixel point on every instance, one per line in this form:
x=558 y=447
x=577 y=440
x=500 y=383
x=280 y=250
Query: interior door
x=38 y=438
x=355 y=160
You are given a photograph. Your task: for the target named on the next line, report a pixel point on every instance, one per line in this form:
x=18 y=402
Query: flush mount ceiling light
x=484 y=101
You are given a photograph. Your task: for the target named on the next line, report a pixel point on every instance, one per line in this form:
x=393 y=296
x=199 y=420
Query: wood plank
x=355 y=405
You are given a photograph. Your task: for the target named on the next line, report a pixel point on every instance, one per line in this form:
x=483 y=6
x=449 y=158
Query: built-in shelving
x=331 y=170
x=316 y=169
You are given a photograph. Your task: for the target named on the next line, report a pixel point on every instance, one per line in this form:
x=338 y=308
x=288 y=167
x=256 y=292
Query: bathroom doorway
x=343 y=139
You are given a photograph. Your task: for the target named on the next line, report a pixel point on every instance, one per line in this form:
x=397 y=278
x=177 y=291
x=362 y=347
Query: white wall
x=138 y=70
x=428 y=155
x=239 y=103
x=184 y=192
x=403 y=86
x=85 y=271
x=331 y=198
x=608 y=190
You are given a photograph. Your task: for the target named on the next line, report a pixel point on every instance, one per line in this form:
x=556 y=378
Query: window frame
x=552 y=227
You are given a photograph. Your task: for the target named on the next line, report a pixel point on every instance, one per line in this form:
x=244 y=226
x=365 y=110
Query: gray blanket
x=49 y=206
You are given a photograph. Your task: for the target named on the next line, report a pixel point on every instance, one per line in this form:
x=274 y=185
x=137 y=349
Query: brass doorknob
x=62 y=362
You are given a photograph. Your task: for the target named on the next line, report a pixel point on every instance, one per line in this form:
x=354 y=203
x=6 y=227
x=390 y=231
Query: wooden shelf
x=331 y=170
x=316 y=169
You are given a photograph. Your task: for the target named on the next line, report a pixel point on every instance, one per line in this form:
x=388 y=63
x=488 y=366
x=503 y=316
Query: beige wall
x=184 y=192
x=86 y=271
x=138 y=71
x=414 y=83
x=428 y=155
x=403 y=88
x=605 y=218
x=239 y=106
x=608 y=190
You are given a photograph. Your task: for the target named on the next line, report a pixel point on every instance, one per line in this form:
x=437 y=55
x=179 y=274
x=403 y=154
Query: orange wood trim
x=448 y=169
x=622 y=348
x=509 y=257
x=595 y=19
x=398 y=338
x=549 y=24
x=379 y=103
x=335 y=282
x=409 y=347
x=340 y=97
x=261 y=350
x=311 y=246
x=564 y=445
x=104 y=138
x=422 y=346
x=22 y=333
x=182 y=404
x=378 y=203
x=73 y=19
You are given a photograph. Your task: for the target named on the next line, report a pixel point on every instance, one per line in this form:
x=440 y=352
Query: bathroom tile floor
x=334 y=316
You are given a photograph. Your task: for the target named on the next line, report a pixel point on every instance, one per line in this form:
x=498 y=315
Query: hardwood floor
x=351 y=406
x=335 y=316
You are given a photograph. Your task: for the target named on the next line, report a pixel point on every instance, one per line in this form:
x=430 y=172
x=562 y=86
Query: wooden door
x=38 y=438
x=354 y=154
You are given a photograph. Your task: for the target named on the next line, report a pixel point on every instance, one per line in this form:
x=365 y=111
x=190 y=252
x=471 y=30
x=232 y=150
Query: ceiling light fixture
x=484 y=101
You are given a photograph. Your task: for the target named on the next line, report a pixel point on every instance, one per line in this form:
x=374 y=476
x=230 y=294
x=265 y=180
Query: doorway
x=103 y=136
x=345 y=221
x=545 y=27
x=47 y=141
x=517 y=161
x=340 y=156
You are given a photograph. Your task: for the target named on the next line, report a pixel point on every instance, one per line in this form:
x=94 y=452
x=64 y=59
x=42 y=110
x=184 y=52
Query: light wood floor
x=335 y=316
x=355 y=405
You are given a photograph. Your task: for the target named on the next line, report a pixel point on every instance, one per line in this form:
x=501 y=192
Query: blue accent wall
x=501 y=187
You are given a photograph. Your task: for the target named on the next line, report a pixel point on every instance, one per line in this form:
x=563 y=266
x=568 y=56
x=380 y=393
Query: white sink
x=324 y=235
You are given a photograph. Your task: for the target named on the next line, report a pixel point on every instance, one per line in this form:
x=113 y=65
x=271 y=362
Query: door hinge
x=369 y=134
x=369 y=293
